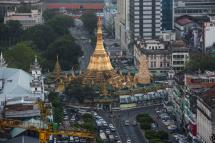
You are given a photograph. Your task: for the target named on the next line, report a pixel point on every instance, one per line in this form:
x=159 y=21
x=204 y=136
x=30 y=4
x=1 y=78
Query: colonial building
x=27 y=20
x=157 y=54
x=206 y=116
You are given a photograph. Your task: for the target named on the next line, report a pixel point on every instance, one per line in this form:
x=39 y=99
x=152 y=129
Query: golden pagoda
x=99 y=69
x=57 y=71
x=59 y=84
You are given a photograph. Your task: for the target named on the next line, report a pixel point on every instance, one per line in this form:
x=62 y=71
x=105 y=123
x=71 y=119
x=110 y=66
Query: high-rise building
x=167 y=14
x=122 y=23
x=145 y=19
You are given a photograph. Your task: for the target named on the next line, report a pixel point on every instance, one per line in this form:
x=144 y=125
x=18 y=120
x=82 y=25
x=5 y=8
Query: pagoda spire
x=100 y=60
x=57 y=70
x=2 y=61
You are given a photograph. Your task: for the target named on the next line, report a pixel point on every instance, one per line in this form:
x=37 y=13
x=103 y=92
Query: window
x=161 y=64
x=151 y=64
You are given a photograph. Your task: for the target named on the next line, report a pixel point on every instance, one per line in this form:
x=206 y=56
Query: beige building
x=27 y=20
x=122 y=23
x=206 y=116
x=157 y=54
x=180 y=55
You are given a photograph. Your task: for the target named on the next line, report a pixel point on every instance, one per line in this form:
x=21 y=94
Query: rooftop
x=183 y=21
x=94 y=6
x=209 y=97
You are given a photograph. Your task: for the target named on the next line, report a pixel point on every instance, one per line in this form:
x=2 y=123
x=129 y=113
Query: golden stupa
x=99 y=69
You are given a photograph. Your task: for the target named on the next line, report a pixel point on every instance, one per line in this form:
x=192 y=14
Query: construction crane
x=45 y=129
x=44 y=133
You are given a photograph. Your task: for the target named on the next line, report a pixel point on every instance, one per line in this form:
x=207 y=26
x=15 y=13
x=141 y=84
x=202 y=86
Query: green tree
x=48 y=14
x=202 y=62
x=67 y=50
x=90 y=21
x=57 y=107
x=80 y=93
x=61 y=23
x=24 y=8
x=10 y=33
x=21 y=56
x=41 y=35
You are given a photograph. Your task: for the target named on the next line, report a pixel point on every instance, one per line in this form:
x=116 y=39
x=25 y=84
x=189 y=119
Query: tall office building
x=167 y=14
x=122 y=23
x=145 y=19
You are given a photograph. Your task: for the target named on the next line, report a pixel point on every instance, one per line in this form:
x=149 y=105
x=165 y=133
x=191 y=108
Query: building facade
x=180 y=55
x=110 y=12
x=167 y=14
x=27 y=20
x=194 y=7
x=157 y=54
x=200 y=81
x=206 y=116
x=209 y=29
x=122 y=23
x=145 y=19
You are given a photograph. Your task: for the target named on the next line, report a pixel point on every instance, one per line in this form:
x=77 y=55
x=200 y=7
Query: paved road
x=83 y=40
x=132 y=132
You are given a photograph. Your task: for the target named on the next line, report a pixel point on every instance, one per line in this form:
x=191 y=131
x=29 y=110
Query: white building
x=27 y=20
x=20 y=89
x=145 y=19
x=180 y=55
x=206 y=116
x=110 y=12
x=209 y=30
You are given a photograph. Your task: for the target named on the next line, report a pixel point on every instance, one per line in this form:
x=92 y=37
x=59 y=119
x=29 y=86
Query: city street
x=83 y=39
x=132 y=132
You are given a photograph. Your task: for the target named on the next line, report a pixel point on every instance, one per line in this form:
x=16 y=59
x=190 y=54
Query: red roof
x=183 y=21
x=94 y=6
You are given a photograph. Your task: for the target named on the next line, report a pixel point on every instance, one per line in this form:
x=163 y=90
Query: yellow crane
x=45 y=130
x=44 y=133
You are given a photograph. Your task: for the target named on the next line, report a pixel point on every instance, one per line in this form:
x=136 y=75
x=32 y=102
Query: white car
x=128 y=141
x=110 y=125
x=107 y=131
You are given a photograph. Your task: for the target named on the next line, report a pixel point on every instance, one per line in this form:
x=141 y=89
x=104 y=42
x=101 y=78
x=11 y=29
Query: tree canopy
x=21 y=56
x=202 y=62
x=10 y=33
x=41 y=35
x=61 y=23
x=48 y=14
x=66 y=49
x=90 y=21
x=79 y=92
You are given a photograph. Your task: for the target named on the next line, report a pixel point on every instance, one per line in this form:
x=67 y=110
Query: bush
x=151 y=134
x=163 y=135
x=145 y=126
x=144 y=118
